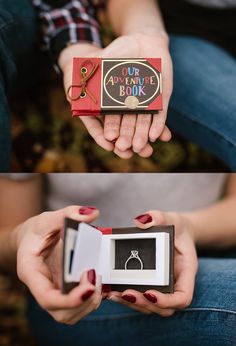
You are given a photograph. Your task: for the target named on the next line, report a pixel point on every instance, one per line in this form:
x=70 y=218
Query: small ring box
x=115 y=86
x=124 y=258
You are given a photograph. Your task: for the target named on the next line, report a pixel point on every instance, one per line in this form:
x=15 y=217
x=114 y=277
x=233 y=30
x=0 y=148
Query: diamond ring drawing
x=134 y=255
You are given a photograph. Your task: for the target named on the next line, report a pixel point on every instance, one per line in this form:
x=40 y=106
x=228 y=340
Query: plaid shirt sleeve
x=67 y=22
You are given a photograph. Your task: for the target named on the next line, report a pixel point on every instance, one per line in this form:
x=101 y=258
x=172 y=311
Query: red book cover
x=115 y=86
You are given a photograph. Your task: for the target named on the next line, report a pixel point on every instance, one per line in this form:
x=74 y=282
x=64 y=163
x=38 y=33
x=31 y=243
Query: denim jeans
x=209 y=320
x=203 y=105
x=19 y=57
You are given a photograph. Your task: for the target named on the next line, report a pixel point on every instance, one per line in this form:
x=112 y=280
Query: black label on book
x=131 y=84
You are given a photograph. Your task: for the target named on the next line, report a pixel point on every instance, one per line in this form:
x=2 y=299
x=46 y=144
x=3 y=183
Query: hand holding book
x=126 y=134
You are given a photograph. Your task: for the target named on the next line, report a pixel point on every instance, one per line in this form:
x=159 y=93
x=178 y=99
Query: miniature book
x=124 y=257
x=115 y=86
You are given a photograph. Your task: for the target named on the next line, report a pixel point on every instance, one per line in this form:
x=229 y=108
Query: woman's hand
x=185 y=268
x=39 y=246
x=128 y=133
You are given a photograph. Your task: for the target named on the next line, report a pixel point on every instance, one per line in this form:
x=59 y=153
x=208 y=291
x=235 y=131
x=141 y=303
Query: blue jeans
x=19 y=57
x=203 y=105
x=209 y=320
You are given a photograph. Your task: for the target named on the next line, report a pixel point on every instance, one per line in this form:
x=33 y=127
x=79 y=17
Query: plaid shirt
x=65 y=22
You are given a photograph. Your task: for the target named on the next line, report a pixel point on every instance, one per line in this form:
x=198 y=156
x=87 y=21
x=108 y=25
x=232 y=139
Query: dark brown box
x=122 y=246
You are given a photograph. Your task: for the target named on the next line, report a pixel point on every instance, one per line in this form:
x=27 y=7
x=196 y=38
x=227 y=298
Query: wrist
x=190 y=225
x=148 y=31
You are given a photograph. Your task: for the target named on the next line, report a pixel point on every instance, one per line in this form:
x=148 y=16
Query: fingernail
x=129 y=298
x=87 y=295
x=144 y=218
x=106 y=288
x=87 y=210
x=92 y=277
x=151 y=297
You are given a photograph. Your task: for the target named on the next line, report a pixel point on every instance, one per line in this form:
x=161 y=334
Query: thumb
x=54 y=220
x=154 y=218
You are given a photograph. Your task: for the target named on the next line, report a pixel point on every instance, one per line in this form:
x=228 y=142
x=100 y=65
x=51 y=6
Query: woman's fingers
x=116 y=297
x=127 y=129
x=184 y=289
x=140 y=139
x=166 y=135
x=146 y=152
x=153 y=218
x=51 y=298
x=96 y=130
x=127 y=154
x=157 y=126
x=90 y=303
x=137 y=301
x=112 y=127
x=53 y=220
x=66 y=308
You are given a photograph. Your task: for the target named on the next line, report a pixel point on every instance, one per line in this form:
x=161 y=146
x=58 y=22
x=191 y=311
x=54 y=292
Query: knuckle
x=140 y=138
x=111 y=125
x=127 y=131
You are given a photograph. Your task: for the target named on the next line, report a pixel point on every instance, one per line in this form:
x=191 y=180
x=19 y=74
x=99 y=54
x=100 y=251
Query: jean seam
x=120 y=316
x=227 y=140
x=210 y=309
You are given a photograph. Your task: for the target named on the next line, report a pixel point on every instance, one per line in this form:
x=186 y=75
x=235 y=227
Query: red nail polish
x=151 y=297
x=87 y=295
x=106 y=288
x=87 y=210
x=129 y=298
x=145 y=218
x=92 y=277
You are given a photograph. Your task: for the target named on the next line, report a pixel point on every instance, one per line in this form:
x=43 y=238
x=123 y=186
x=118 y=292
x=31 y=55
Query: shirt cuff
x=74 y=23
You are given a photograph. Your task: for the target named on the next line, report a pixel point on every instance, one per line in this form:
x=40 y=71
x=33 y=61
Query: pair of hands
x=38 y=244
x=127 y=134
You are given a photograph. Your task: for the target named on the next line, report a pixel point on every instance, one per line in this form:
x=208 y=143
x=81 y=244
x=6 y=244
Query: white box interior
x=93 y=250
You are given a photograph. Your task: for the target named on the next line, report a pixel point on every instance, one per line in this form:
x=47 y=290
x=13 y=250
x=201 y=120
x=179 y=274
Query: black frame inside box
x=146 y=249
x=140 y=253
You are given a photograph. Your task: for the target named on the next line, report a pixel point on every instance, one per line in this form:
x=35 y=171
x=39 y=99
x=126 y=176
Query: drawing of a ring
x=134 y=255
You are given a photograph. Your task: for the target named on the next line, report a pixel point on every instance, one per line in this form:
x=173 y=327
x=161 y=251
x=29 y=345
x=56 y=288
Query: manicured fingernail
x=87 y=210
x=144 y=218
x=92 y=276
x=87 y=295
x=151 y=297
x=129 y=298
x=106 y=288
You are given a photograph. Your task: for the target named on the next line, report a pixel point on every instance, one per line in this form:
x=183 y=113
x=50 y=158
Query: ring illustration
x=134 y=255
